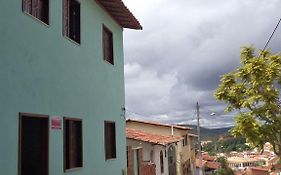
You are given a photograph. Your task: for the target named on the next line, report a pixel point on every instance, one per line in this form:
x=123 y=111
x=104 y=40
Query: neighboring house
x=240 y=163
x=135 y=163
x=62 y=87
x=157 y=149
x=208 y=165
x=180 y=154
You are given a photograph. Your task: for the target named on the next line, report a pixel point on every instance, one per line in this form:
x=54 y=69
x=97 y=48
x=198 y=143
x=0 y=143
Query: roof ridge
x=159 y=124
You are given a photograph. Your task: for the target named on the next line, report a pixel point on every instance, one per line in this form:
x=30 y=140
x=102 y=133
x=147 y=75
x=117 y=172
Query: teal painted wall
x=42 y=72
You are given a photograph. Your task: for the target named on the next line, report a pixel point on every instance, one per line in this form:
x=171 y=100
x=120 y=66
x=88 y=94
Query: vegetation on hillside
x=224 y=169
x=226 y=145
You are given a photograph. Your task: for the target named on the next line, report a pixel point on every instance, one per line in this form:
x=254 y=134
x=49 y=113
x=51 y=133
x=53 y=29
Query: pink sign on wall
x=56 y=122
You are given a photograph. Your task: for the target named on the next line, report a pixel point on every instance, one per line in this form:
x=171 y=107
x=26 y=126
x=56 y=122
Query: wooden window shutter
x=74 y=20
x=27 y=6
x=35 y=8
x=108 y=45
x=161 y=161
x=110 y=140
x=73 y=144
x=66 y=17
x=72 y=141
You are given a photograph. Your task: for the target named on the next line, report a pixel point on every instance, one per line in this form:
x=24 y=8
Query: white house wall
x=147 y=148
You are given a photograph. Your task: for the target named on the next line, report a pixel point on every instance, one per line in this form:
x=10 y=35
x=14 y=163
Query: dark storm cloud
x=185 y=47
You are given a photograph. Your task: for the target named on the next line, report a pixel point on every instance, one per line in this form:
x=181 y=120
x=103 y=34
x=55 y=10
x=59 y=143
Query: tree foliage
x=253 y=90
x=224 y=169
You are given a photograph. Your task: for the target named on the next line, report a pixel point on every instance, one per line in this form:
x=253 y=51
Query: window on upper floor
x=37 y=8
x=108 y=45
x=73 y=152
x=71 y=20
x=110 y=140
x=185 y=140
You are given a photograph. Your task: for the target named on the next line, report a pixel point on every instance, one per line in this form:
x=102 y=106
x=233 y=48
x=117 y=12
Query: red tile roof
x=207 y=164
x=208 y=158
x=260 y=171
x=151 y=138
x=120 y=13
x=212 y=165
x=199 y=164
x=158 y=124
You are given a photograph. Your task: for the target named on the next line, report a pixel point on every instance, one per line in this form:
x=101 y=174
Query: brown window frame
x=110 y=140
x=20 y=140
x=107 y=43
x=36 y=8
x=71 y=25
x=67 y=156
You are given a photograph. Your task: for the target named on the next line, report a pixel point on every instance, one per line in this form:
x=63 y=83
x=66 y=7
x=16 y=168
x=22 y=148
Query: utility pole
x=199 y=140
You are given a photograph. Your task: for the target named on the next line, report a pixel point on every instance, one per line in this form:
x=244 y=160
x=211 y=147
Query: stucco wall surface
x=42 y=72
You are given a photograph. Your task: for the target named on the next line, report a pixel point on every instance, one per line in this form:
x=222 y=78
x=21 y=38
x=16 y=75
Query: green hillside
x=210 y=134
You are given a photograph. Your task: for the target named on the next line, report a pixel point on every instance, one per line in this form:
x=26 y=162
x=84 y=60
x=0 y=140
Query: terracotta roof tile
x=159 y=124
x=151 y=138
x=120 y=13
x=208 y=164
x=207 y=157
x=212 y=165
x=260 y=171
x=198 y=164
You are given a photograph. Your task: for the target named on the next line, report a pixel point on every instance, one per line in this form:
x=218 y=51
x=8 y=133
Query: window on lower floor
x=37 y=8
x=161 y=162
x=110 y=140
x=108 y=45
x=33 y=144
x=71 y=20
x=72 y=143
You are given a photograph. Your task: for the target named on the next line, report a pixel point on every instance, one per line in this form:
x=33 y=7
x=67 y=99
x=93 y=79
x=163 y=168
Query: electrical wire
x=271 y=36
x=132 y=112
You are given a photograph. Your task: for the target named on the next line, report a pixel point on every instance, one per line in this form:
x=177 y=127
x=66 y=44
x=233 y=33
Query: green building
x=62 y=87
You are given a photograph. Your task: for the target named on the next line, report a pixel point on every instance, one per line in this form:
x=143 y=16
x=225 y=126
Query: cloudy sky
x=184 y=48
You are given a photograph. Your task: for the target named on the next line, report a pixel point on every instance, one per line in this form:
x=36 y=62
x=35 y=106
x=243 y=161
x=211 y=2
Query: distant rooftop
x=161 y=124
x=207 y=164
x=120 y=13
x=241 y=159
x=151 y=138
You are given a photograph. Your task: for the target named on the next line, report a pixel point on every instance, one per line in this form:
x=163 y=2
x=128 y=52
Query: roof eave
x=155 y=143
x=120 y=13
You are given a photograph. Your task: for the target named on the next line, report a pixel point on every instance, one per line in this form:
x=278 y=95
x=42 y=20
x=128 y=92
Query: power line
x=271 y=35
x=132 y=112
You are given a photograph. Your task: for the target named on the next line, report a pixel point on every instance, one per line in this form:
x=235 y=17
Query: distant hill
x=209 y=134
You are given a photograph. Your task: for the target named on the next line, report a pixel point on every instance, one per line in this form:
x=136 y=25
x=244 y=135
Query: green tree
x=253 y=90
x=224 y=169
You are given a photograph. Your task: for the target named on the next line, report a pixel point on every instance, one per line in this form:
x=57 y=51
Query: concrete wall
x=42 y=72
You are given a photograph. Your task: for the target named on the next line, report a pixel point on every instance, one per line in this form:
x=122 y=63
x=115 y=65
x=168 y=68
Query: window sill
x=110 y=159
x=72 y=169
x=36 y=19
x=108 y=62
x=71 y=40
